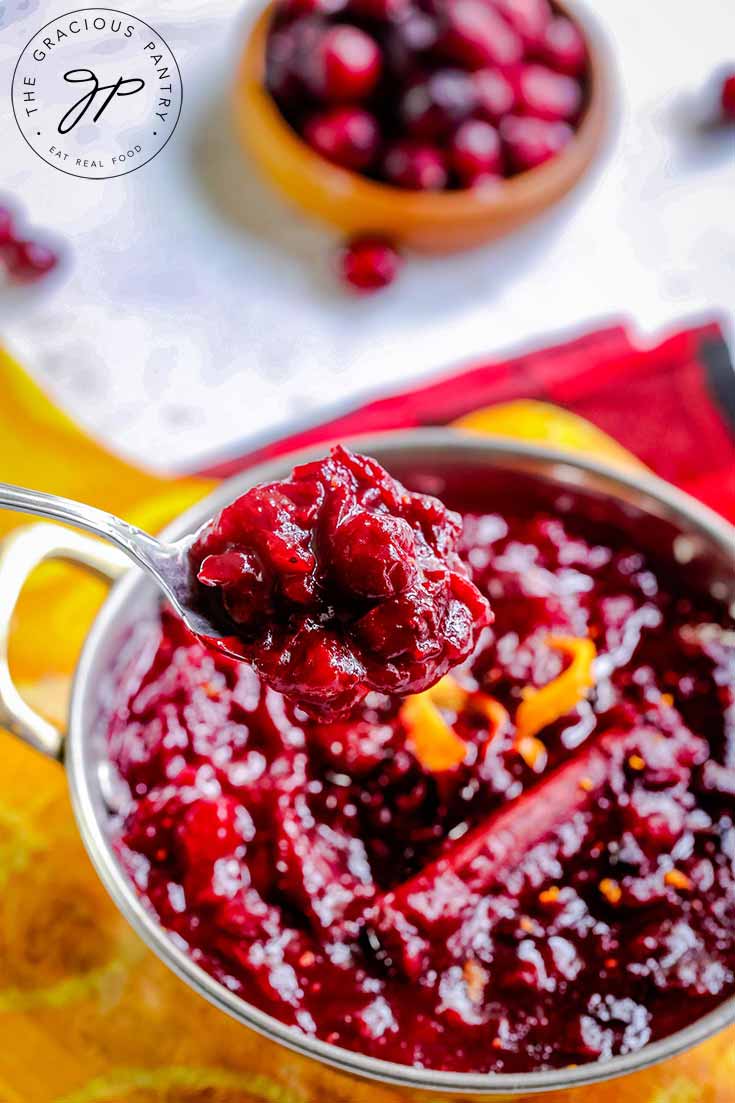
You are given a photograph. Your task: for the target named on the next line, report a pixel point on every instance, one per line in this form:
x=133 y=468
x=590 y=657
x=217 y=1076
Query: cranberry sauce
x=429 y=95
x=339 y=580
x=531 y=864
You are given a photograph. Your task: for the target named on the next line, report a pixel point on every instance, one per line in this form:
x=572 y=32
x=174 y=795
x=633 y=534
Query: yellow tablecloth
x=87 y=1013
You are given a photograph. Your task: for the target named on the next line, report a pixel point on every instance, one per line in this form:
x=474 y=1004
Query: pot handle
x=20 y=554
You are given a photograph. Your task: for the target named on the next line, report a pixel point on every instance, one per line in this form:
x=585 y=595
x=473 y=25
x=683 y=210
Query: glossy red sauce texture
x=541 y=903
x=337 y=580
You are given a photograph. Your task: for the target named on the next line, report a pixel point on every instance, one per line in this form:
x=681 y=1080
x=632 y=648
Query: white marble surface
x=196 y=310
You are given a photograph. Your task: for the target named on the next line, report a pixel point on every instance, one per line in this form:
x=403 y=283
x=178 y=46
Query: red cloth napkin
x=672 y=403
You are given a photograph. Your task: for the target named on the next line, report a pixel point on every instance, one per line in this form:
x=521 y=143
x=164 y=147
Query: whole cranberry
x=28 y=260
x=416 y=166
x=548 y=95
x=369 y=263
x=494 y=93
x=727 y=96
x=563 y=47
x=348 y=136
x=410 y=37
x=529 y=142
x=345 y=66
x=476 y=35
x=434 y=106
x=287 y=47
x=381 y=10
x=485 y=182
x=292 y=9
x=529 y=18
x=475 y=150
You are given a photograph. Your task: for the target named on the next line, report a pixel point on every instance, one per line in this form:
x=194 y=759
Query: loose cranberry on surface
x=475 y=151
x=548 y=95
x=530 y=142
x=475 y=35
x=416 y=166
x=727 y=97
x=367 y=264
x=6 y=226
x=431 y=108
x=563 y=47
x=28 y=261
x=495 y=95
x=345 y=65
x=348 y=136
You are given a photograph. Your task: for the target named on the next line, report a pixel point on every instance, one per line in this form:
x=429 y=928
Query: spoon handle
x=138 y=545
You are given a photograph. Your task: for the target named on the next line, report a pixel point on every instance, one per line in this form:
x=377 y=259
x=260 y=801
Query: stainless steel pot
x=657 y=516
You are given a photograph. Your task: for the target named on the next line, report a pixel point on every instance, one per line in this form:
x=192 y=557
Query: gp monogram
x=97 y=93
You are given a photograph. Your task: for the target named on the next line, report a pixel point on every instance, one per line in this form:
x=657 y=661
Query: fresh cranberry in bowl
x=494 y=94
x=530 y=142
x=348 y=136
x=544 y=94
x=441 y=63
x=362 y=83
x=476 y=151
x=563 y=47
x=475 y=35
x=345 y=66
x=415 y=165
x=432 y=106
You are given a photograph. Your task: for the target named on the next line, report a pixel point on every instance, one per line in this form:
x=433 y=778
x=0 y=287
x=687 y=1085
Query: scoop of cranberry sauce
x=338 y=580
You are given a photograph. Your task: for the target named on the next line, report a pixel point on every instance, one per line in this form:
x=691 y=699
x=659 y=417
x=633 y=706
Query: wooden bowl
x=427 y=221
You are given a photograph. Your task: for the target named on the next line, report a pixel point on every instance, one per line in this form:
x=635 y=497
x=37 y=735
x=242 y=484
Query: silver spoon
x=168 y=564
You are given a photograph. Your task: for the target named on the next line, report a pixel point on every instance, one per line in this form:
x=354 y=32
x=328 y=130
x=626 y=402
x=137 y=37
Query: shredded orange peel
x=541 y=707
x=432 y=739
x=434 y=742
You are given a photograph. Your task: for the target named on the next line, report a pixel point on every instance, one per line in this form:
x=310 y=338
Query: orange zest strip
x=541 y=707
x=496 y=716
x=448 y=694
x=434 y=742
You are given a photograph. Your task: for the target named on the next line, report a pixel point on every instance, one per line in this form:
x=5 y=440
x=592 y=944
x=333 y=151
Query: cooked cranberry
x=548 y=95
x=349 y=136
x=530 y=142
x=727 y=97
x=28 y=260
x=432 y=107
x=529 y=17
x=416 y=166
x=345 y=65
x=563 y=47
x=495 y=95
x=475 y=150
x=464 y=913
x=367 y=264
x=475 y=35
x=346 y=561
